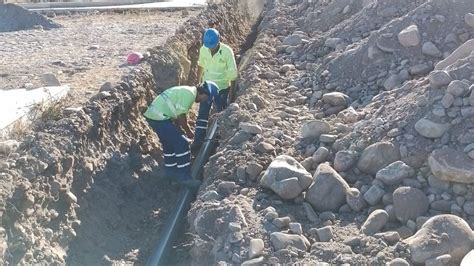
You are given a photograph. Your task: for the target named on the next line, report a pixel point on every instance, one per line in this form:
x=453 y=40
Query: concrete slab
x=17 y=104
x=156 y=5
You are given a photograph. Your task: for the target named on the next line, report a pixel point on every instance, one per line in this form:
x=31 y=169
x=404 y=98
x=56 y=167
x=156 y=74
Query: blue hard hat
x=212 y=88
x=211 y=38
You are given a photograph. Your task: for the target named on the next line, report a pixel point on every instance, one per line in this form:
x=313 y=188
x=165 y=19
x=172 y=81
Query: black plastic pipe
x=161 y=252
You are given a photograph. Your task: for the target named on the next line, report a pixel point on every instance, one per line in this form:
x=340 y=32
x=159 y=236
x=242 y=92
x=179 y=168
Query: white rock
x=409 y=36
x=256 y=248
x=440 y=235
x=355 y=200
x=461 y=52
x=469 y=19
x=336 y=99
x=452 y=165
x=468 y=260
x=429 y=129
x=280 y=177
x=398 y=262
x=8 y=146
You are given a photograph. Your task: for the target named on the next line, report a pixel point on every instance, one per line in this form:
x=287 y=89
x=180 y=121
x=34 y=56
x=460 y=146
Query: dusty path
x=87 y=52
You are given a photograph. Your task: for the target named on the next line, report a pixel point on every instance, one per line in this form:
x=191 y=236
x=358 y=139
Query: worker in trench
x=216 y=63
x=167 y=115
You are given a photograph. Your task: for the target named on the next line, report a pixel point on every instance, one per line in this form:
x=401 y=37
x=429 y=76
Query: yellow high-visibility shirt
x=220 y=68
x=172 y=103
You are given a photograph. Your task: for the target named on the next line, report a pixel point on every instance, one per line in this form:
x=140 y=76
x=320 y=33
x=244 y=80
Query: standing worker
x=167 y=115
x=216 y=63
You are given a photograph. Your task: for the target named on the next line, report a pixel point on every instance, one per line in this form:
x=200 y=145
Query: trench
x=127 y=213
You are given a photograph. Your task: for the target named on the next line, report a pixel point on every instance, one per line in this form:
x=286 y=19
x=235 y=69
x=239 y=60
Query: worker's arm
x=199 y=74
x=231 y=74
x=182 y=122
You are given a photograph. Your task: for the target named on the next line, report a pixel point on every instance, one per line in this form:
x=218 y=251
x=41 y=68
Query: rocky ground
x=88 y=51
x=350 y=142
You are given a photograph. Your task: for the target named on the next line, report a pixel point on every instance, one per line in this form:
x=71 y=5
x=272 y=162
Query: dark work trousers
x=176 y=153
x=220 y=103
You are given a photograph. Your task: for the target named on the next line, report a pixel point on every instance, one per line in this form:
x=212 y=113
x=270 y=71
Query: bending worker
x=167 y=115
x=216 y=63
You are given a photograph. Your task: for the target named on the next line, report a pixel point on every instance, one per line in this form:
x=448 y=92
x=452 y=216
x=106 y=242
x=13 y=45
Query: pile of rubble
x=351 y=141
x=14 y=18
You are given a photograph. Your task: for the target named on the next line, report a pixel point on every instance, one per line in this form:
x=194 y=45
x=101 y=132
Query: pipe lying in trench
x=160 y=253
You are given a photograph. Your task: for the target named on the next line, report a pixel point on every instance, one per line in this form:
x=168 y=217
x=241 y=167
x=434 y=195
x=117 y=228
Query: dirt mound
x=14 y=17
x=370 y=95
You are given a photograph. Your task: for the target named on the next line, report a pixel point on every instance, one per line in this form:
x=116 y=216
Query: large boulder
x=468 y=260
x=452 y=165
x=314 y=129
x=440 y=235
x=282 y=240
x=409 y=203
x=328 y=191
x=377 y=156
x=286 y=177
x=461 y=52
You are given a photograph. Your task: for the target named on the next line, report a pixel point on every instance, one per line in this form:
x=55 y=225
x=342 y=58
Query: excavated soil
x=86 y=188
x=14 y=18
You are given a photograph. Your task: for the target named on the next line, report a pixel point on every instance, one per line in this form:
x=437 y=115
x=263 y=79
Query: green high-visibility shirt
x=220 y=68
x=171 y=103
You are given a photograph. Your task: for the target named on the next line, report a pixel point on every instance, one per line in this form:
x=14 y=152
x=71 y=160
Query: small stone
x=392 y=82
x=377 y=156
x=374 y=195
x=430 y=49
x=458 y=88
x=394 y=173
x=281 y=222
x=375 y=222
x=210 y=195
x=355 y=200
x=429 y=129
x=398 y=262
x=344 y=160
x=8 y=146
x=326 y=138
x=70 y=197
x=282 y=241
x=296 y=228
x=310 y=213
x=264 y=147
x=315 y=128
x=320 y=155
x=439 y=78
x=250 y=128
x=336 y=99
x=452 y=165
x=469 y=19
x=325 y=234
x=447 y=100
x=409 y=36
x=256 y=248
x=49 y=79
x=253 y=170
